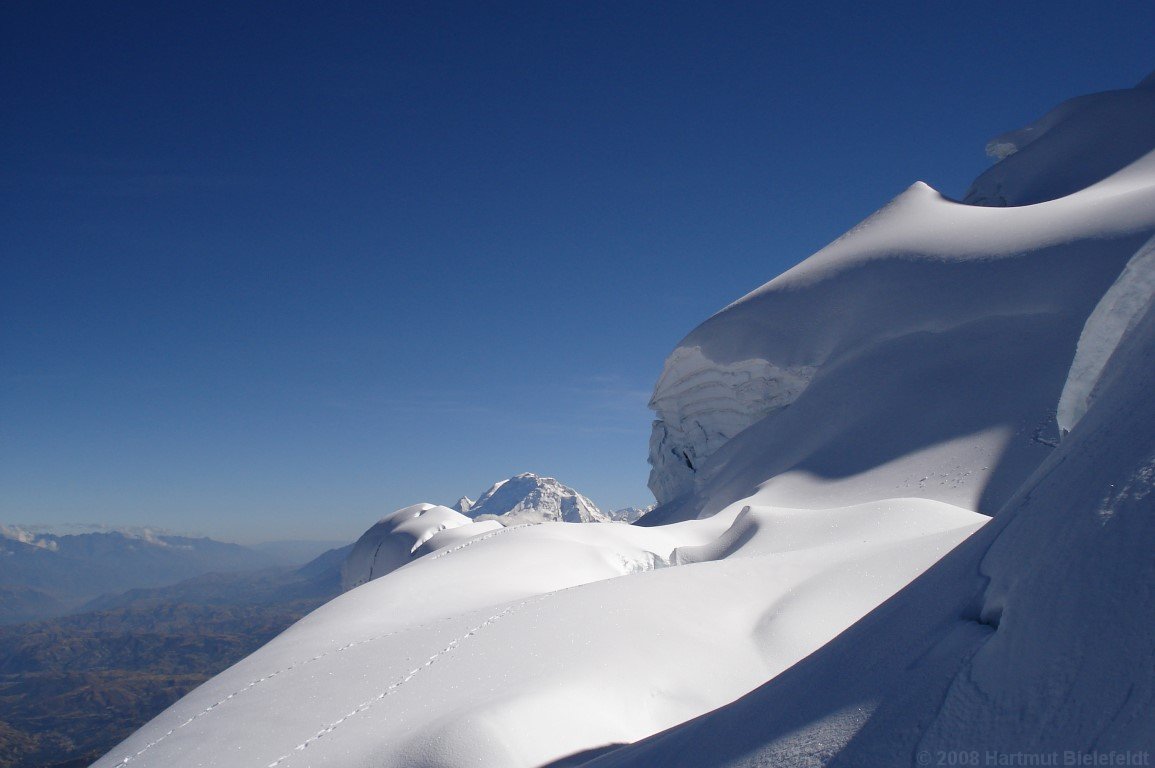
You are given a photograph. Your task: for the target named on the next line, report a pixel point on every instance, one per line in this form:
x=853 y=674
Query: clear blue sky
x=271 y=270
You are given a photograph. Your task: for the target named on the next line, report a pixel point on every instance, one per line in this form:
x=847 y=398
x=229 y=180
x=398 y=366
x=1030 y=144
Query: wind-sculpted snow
x=1030 y=644
x=528 y=644
x=407 y=534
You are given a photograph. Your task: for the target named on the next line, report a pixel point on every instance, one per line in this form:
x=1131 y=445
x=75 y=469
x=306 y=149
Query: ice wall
x=1118 y=312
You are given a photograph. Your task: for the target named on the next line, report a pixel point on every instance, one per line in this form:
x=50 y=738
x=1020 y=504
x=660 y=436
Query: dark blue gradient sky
x=271 y=270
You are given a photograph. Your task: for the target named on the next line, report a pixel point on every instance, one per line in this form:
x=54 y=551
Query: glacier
x=905 y=512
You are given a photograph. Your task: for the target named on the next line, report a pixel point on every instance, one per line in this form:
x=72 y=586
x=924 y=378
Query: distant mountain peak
x=27 y=533
x=26 y=536
x=532 y=498
x=630 y=514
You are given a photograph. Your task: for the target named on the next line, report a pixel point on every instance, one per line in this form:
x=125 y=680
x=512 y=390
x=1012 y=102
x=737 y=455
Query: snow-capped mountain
x=530 y=498
x=835 y=592
x=402 y=536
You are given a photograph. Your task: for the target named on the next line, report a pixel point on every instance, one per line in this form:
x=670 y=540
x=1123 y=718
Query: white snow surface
x=397 y=539
x=414 y=531
x=806 y=611
x=528 y=644
x=1031 y=639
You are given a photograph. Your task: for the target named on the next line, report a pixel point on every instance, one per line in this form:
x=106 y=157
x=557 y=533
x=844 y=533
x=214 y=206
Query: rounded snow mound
x=394 y=541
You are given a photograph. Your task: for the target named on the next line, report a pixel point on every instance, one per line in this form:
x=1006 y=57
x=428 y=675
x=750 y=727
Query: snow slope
x=922 y=353
x=529 y=644
x=1116 y=314
x=1032 y=639
x=824 y=440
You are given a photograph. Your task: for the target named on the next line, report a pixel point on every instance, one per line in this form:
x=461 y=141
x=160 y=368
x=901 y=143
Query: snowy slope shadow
x=1016 y=641
x=960 y=390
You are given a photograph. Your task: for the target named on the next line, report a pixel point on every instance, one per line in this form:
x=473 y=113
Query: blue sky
x=271 y=270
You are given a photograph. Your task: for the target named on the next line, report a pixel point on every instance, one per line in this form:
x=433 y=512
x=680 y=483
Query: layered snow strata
x=701 y=405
